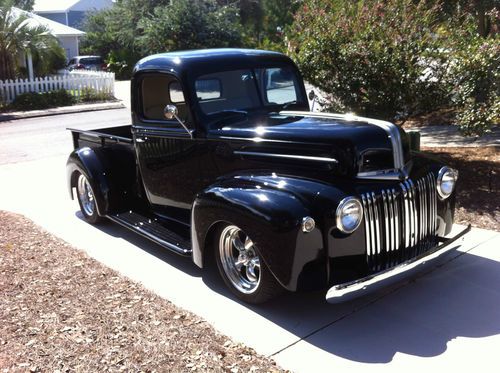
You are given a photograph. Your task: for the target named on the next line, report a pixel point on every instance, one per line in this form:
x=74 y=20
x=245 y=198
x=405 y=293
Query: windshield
x=247 y=89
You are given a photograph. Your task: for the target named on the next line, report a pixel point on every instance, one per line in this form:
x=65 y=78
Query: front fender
x=270 y=209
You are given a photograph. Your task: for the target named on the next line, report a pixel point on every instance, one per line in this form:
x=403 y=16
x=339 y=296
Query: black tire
x=253 y=282
x=86 y=200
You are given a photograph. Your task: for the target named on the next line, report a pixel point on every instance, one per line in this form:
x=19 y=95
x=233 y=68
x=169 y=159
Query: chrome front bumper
x=350 y=290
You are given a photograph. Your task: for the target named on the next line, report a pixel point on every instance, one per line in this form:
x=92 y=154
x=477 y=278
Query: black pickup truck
x=223 y=160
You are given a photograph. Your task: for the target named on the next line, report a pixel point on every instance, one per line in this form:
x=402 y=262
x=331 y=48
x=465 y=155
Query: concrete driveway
x=446 y=319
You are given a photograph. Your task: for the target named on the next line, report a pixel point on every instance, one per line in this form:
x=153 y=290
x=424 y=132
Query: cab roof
x=204 y=61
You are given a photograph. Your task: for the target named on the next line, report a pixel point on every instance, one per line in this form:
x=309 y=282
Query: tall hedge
x=382 y=59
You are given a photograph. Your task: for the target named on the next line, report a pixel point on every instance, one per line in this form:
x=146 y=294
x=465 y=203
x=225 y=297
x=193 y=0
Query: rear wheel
x=241 y=267
x=86 y=200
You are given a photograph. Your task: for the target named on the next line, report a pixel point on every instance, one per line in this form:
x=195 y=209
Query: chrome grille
x=400 y=222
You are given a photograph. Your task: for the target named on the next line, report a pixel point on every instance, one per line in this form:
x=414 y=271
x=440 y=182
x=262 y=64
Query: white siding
x=69 y=44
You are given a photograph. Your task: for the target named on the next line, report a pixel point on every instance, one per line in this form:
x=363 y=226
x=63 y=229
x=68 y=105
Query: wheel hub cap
x=239 y=260
x=85 y=195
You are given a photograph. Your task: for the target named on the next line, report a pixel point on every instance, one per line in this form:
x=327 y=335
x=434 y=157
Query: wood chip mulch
x=62 y=311
x=478 y=188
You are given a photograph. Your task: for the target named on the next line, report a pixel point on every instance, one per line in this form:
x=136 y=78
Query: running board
x=151 y=229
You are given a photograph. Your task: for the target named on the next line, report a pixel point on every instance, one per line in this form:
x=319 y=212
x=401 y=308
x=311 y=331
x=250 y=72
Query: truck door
x=167 y=155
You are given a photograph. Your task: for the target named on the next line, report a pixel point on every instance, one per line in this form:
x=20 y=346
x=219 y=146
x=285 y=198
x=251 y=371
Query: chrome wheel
x=85 y=195
x=239 y=260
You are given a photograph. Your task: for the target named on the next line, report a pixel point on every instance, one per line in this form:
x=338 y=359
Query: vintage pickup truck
x=225 y=162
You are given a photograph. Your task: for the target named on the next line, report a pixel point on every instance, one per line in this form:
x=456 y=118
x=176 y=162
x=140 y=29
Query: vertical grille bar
x=425 y=220
x=377 y=224
x=413 y=203
x=420 y=209
x=367 y=230
x=397 y=226
x=372 y=225
x=400 y=224
x=387 y=237
x=433 y=198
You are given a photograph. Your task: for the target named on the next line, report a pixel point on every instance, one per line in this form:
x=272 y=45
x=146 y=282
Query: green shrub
x=382 y=59
x=93 y=95
x=476 y=69
x=40 y=101
x=121 y=62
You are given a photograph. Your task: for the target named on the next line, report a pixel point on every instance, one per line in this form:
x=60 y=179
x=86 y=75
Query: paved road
x=38 y=138
x=445 y=319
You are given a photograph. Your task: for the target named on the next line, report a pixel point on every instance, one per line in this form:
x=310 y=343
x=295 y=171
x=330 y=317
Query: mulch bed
x=62 y=311
x=478 y=199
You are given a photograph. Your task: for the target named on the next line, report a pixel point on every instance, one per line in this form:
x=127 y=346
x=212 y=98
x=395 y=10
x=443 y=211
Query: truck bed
x=101 y=136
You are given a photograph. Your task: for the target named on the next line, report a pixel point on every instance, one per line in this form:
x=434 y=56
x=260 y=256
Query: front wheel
x=241 y=267
x=86 y=200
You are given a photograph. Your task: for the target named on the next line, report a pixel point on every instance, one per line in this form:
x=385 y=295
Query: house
x=69 y=12
x=67 y=36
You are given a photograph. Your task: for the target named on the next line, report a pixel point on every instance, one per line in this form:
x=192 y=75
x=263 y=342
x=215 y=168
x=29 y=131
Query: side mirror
x=170 y=112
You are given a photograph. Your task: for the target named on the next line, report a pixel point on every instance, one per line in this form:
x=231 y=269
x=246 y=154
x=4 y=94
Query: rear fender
x=110 y=173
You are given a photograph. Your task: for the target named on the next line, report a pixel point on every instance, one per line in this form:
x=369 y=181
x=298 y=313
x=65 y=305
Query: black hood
x=357 y=145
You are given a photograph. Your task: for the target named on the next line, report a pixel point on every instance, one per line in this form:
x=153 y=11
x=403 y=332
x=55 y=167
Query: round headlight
x=446 y=180
x=349 y=214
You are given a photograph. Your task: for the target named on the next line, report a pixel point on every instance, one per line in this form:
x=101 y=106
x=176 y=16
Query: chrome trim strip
x=288 y=156
x=350 y=290
x=253 y=139
x=390 y=128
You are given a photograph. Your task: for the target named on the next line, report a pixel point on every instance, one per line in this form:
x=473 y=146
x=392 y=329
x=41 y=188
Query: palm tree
x=18 y=34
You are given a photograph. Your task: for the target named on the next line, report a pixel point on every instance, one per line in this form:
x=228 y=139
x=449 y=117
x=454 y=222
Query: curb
x=15 y=115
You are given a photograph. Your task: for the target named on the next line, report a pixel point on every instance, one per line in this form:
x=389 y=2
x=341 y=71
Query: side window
x=280 y=86
x=208 y=89
x=159 y=91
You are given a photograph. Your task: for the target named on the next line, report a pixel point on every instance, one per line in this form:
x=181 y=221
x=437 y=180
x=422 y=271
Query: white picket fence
x=74 y=82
